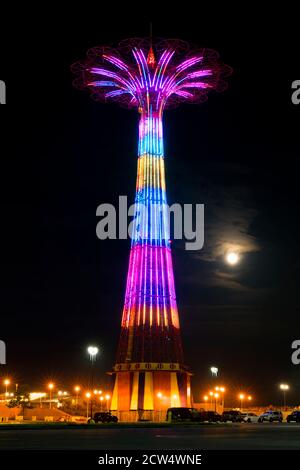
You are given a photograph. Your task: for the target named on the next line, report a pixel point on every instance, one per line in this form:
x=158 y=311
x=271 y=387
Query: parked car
x=183 y=414
x=250 y=418
x=271 y=416
x=233 y=415
x=210 y=416
x=294 y=416
x=104 y=417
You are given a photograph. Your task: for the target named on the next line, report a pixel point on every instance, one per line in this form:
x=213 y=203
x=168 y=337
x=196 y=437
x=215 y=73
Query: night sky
x=63 y=155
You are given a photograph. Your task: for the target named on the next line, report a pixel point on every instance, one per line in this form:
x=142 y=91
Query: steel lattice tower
x=150 y=375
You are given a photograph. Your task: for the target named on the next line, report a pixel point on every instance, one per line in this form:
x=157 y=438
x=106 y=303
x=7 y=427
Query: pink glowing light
x=184 y=94
x=188 y=63
x=152 y=74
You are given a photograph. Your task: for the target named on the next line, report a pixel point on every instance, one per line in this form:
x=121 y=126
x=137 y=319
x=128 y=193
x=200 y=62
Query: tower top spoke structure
x=143 y=72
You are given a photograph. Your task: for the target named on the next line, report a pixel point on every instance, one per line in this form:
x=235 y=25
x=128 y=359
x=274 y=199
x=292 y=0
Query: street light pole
x=216 y=397
x=214 y=374
x=284 y=388
x=211 y=398
x=92 y=351
x=249 y=398
x=77 y=390
x=50 y=386
x=107 y=397
x=222 y=390
x=88 y=395
x=241 y=397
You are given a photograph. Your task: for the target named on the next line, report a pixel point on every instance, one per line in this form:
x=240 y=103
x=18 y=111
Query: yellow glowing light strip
x=146 y=167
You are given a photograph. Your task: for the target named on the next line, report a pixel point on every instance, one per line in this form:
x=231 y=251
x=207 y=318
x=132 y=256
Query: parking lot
x=237 y=436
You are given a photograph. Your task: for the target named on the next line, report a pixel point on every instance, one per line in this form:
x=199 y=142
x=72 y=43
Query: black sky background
x=63 y=155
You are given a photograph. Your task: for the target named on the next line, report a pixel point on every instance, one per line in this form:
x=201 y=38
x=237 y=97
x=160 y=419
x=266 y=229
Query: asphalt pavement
x=227 y=436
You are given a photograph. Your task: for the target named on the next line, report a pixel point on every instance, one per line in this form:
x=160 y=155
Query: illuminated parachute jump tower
x=150 y=76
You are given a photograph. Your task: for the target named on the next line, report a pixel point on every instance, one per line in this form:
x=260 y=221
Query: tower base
x=147 y=393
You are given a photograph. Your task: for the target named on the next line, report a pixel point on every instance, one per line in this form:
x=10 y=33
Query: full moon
x=232 y=258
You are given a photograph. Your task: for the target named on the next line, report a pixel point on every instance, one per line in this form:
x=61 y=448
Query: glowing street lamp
x=101 y=401
x=284 y=388
x=6 y=382
x=249 y=398
x=205 y=398
x=214 y=371
x=51 y=387
x=241 y=397
x=92 y=351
